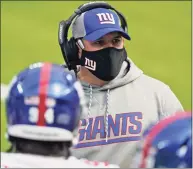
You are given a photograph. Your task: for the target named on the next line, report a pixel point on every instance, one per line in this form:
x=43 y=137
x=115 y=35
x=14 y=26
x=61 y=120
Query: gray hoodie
x=118 y=112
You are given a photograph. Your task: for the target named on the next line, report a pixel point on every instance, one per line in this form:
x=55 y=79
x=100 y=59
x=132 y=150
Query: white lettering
x=34 y=115
x=106 y=18
x=90 y=64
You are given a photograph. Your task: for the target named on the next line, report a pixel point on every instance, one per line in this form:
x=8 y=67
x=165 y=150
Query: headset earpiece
x=72 y=53
x=68 y=47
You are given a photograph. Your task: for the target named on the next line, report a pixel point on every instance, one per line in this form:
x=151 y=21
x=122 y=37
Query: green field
x=160 y=45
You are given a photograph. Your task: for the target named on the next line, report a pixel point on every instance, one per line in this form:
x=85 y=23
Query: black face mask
x=104 y=64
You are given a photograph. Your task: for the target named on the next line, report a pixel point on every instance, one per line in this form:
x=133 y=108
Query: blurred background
x=160 y=45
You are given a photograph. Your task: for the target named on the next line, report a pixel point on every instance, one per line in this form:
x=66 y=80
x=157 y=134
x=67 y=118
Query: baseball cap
x=93 y=24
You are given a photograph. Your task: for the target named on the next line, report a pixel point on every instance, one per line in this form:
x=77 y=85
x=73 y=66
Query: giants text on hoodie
x=121 y=128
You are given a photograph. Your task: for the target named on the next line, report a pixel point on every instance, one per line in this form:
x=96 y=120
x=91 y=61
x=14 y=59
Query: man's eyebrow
x=115 y=37
x=99 y=39
x=118 y=36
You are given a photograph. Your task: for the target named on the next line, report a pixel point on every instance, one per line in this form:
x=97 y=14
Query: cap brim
x=101 y=32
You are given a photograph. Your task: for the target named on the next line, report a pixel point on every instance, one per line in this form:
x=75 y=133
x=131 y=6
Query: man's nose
x=109 y=44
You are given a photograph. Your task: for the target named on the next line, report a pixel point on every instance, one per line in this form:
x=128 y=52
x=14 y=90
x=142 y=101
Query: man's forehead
x=110 y=35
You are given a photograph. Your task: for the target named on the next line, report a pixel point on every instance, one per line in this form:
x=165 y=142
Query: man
x=121 y=100
x=43 y=108
x=167 y=144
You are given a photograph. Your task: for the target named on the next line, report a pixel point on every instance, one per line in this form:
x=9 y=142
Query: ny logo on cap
x=106 y=18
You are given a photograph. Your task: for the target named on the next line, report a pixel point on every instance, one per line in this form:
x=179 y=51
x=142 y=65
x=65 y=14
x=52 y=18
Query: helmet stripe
x=43 y=87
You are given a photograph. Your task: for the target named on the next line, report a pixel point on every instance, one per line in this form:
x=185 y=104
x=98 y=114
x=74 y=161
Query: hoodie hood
x=128 y=73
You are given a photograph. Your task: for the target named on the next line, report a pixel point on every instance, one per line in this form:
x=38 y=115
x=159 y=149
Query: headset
x=68 y=47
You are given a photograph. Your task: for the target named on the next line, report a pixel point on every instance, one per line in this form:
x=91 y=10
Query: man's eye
x=116 y=41
x=99 y=43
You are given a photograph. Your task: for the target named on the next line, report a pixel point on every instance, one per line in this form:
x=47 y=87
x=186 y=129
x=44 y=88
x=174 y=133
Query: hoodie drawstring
x=106 y=110
x=107 y=114
x=90 y=104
